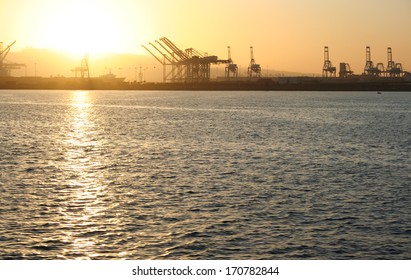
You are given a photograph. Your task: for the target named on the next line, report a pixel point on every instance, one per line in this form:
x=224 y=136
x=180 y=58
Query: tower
x=328 y=69
x=393 y=69
x=254 y=70
x=231 y=69
x=369 y=68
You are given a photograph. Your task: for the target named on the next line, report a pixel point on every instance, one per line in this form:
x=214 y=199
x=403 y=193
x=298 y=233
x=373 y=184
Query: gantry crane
x=369 y=68
x=345 y=70
x=5 y=68
x=254 y=70
x=83 y=70
x=328 y=69
x=393 y=69
x=164 y=60
x=231 y=69
x=186 y=66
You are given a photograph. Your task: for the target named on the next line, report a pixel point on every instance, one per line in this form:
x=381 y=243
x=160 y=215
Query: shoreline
x=262 y=84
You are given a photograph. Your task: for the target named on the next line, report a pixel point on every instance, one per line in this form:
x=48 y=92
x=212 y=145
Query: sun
x=78 y=27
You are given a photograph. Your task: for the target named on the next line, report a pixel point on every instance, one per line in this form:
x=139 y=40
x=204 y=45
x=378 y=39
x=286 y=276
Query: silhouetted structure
x=186 y=66
x=5 y=68
x=345 y=70
x=369 y=68
x=328 y=69
x=231 y=69
x=393 y=69
x=254 y=70
x=83 y=71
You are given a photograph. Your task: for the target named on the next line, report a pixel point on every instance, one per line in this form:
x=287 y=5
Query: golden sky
x=286 y=35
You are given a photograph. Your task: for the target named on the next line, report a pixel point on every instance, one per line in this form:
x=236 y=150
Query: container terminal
x=190 y=69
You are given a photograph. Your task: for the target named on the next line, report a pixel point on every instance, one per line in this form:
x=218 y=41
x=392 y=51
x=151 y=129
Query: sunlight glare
x=80 y=99
x=95 y=27
x=86 y=184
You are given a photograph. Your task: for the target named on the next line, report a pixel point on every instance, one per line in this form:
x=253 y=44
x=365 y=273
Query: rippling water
x=205 y=175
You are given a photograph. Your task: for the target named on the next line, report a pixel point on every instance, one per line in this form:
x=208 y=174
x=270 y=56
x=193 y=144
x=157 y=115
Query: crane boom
x=194 y=52
x=163 y=54
x=5 y=52
x=167 y=50
x=175 y=49
x=159 y=60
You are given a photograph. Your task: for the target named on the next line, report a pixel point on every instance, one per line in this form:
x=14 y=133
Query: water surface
x=205 y=175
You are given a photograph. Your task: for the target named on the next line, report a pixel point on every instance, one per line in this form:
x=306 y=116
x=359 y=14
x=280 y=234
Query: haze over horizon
x=286 y=35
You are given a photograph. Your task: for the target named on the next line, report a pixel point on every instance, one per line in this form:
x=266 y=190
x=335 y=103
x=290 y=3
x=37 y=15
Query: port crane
x=345 y=70
x=254 y=70
x=231 y=69
x=369 y=68
x=164 y=60
x=393 y=69
x=83 y=70
x=328 y=69
x=189 y=65
x=5 y=68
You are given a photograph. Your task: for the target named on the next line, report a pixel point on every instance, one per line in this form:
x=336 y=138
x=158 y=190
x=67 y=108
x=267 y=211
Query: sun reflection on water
x=85 y=182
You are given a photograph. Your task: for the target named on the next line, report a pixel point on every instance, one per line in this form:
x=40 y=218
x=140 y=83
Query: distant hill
x=46 y=63
x=277 y=73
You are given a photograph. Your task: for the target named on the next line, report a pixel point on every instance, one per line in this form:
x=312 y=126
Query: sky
x=287 y=35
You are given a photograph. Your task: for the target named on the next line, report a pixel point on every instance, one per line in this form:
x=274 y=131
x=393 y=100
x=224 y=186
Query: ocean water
x=205 y=175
